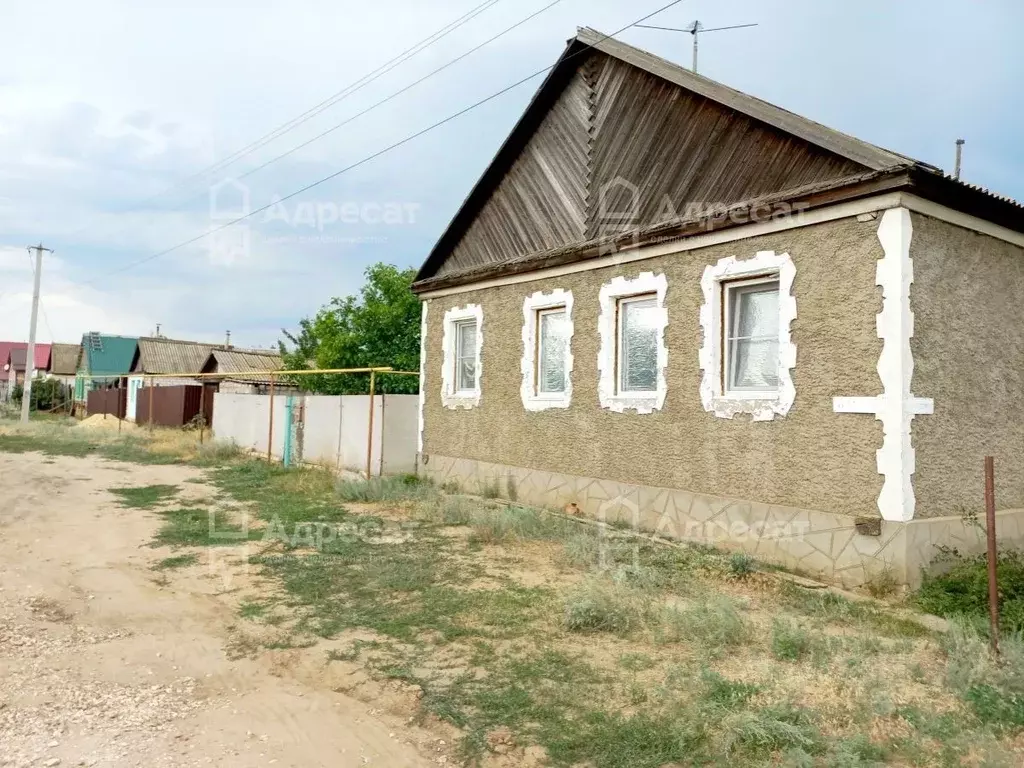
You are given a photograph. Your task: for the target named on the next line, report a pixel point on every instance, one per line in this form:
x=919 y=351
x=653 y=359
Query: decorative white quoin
x=761 y=407
x=423 y=371
x=450 y=397
x=896 y=406
x=532 y=399
x=608 y=394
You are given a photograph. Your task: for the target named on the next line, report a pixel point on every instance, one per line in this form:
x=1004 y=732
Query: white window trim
x=762 y=406
x=533 y=400
x=450 y=397
x=608 y=393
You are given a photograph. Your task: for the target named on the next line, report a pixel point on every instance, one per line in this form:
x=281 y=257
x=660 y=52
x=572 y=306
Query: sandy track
x=102 y=662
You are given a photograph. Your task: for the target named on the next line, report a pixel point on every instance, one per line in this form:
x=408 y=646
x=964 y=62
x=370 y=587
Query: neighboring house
x=18 y=358
x=64 y=362
x=162 y=356
x=675 y=305
x=244 y=371
x=106 y=362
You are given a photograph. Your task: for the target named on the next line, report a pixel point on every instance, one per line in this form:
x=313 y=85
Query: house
x=17 y=360
x=106 y=362
x=161 y=356
x=678 y=306
x=64 y=362
x=245 y=371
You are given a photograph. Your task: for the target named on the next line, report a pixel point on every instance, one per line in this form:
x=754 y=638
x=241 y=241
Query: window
x=637 y=362
x=465 y=356
x=552 y=345
x=632 y=359
x=748 y=354
x=752 y=336
x=461 y=370
x=547 y=350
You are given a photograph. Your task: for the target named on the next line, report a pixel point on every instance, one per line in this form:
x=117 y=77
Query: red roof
x=42 y=354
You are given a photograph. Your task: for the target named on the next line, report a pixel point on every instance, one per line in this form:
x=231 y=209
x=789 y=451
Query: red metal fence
x=111 y=401
x=173 y=406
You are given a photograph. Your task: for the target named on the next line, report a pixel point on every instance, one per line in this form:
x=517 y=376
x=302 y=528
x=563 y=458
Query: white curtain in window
x=639 y=345
x=554 y=347
x=466 y=357
x=754 y=338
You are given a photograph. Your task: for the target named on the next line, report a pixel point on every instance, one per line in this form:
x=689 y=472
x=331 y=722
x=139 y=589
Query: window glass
x=553 y=347
x=753 y=340
x=638 y=344
x=465 y=356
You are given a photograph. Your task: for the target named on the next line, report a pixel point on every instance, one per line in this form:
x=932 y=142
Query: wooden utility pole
x=30 y=355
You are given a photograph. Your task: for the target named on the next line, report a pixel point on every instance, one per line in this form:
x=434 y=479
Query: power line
x=397 y=93
x=373 y=156
x=330 y=101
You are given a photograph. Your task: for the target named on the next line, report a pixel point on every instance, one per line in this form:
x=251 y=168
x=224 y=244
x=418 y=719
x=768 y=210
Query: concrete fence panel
x=331 y=431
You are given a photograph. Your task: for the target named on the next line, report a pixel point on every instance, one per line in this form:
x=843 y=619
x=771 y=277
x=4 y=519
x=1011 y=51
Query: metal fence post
x=369 y=430
x=270 y=430
x=150 y=403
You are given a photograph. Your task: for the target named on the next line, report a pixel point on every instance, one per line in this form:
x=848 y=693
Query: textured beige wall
x=811 y=458
x=968 y=349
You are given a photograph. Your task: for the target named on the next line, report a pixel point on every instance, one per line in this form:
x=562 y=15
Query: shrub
x=994 y=690
x=715 y=623
x=396 y=488
x=790 y=642
x=963 y=589
x=599 y=605
x=741 y=564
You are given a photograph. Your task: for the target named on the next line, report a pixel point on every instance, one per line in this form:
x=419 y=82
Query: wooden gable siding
x=620 y=140
x=542 y=201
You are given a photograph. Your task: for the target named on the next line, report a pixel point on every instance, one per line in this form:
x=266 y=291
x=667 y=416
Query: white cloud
x=105 y=105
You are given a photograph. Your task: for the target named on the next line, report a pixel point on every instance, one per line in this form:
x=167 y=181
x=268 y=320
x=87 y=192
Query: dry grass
x=607 y=651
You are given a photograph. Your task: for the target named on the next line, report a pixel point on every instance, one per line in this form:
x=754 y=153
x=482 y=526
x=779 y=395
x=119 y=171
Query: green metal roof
x=107 y=355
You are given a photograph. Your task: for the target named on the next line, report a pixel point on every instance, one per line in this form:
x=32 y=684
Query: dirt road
x=104 y=662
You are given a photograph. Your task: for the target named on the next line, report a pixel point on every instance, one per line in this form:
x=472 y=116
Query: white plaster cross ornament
x=896 y=407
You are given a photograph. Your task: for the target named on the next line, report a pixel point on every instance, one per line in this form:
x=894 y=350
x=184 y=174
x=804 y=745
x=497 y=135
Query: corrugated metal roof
x=64 y=359
x=158 y=355
x=245 y=360
x=108 y=355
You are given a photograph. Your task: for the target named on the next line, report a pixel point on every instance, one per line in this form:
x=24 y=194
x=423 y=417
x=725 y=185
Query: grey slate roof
x=64 y=359
x=159 y=355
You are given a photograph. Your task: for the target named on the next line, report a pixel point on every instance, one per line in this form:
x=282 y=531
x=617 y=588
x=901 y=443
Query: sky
x=111 y=112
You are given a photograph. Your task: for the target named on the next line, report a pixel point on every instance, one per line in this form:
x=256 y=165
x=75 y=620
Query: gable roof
x=18 y=356
x=64 y=359
x=853 y=149
x=160 y=355
x=609 y=112
x=242 y=361
x=105 y=355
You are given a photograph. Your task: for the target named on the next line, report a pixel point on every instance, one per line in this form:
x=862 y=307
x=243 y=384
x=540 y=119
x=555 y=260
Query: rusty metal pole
x=993 y=554
x=202 y=410
x=270 y=431
x=150 y=403
x=369 y=429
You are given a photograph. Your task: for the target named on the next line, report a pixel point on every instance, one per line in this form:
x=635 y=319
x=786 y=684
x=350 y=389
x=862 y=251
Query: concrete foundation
x=816 y=543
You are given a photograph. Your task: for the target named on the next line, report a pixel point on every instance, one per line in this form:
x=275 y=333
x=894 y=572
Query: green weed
x=145 y=497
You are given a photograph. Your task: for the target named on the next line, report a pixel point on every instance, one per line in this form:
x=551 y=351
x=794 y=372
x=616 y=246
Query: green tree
x=379 y=327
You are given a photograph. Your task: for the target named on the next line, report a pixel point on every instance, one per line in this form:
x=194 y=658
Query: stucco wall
x=811 y=458
x=968 y=349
